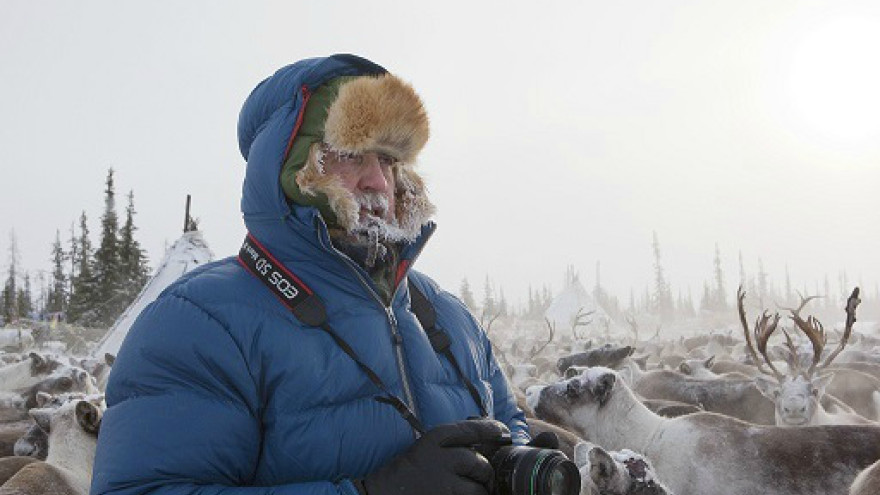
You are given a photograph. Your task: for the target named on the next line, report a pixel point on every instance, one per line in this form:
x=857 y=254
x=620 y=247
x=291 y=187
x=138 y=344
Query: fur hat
x=360 y=114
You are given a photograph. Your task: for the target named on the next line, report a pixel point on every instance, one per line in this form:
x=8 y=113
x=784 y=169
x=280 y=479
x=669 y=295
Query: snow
x=189 y=252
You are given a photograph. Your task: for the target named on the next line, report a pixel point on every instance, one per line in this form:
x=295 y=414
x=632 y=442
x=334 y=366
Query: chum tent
x=574 y=298
x=187 y=253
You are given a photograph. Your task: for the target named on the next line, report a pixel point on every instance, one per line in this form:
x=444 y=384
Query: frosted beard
x=375 y=228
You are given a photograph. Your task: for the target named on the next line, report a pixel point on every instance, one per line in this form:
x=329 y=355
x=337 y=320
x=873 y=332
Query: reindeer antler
x=765 y=325
x=814 y=331
x=793 y=356
x=851 y=304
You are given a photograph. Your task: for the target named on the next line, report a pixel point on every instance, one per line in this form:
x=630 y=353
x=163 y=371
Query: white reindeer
x=27 y=373
x=73 y=430
x=615 y=473
x=797 y=394
x=704 y=453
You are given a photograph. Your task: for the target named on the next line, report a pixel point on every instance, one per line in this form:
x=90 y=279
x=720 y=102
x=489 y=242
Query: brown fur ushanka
x=379 y=114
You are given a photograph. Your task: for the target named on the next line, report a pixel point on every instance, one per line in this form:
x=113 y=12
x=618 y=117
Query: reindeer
x=607 y=355
x=615 y=473
x=27 y=373
x=867 y=482
x=738 y=398
x=797 y=395
x=704 y=452
x=73 y=429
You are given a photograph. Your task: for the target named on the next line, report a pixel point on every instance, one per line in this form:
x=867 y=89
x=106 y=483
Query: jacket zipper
x=396 y=339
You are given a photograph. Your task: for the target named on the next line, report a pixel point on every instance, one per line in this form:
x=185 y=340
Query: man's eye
x=349 y=157
x=386 y=159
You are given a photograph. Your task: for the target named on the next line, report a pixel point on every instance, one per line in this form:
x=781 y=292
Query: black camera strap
x=308 y=308
x=439 y=339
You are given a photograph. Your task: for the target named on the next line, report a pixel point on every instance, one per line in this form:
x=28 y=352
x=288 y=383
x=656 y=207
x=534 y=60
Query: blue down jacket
x=218 y=385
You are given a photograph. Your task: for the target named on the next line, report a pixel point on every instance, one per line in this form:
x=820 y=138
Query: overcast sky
x=563 y=133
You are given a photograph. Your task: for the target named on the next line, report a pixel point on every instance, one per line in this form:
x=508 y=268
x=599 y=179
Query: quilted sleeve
x=506 y=409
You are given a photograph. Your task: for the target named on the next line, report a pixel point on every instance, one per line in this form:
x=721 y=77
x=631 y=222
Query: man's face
x=369 y=177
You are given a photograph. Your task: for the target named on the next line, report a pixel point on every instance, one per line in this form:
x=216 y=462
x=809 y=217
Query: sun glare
x=835 y=80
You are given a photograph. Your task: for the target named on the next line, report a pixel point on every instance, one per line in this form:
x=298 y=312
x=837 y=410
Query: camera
x=526 y=470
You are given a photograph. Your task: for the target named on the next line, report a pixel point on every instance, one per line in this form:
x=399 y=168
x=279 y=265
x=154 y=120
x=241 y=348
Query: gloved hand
x=545 y=440
x=440 y=462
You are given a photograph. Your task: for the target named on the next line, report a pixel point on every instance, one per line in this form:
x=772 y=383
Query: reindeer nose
x=794 y=409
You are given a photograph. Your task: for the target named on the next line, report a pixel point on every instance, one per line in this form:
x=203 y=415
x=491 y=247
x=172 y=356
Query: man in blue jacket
x=301 y=366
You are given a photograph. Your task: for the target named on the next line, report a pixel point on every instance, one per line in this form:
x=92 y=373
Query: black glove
x=440 y=462
x=545 y=440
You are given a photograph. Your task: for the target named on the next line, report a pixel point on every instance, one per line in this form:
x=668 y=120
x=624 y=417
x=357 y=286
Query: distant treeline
x=664 y=303
x=86 y=286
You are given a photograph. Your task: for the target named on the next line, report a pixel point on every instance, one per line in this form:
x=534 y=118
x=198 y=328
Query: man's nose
x=372 y=176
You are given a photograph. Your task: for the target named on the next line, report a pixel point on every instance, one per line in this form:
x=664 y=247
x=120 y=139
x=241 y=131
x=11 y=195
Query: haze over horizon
x=561 y=136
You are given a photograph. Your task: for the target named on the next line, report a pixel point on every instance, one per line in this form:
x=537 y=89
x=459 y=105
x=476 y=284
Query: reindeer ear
x=571 y=372
x=109 y=358
x=42 y=398
x=709 y=362
x=603 y=386
x=63 y=384
x=37 y=362
x=602 y=467
x=768 y=387
x=573 y=389
x=582 y=453
x=820 y=382
x=43 y=418
x=88 y=416
x=684 y=368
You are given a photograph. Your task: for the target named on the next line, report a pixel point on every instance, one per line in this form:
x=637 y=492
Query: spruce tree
x=57 y=300
x=24 y=298
x=133 y=259
x=10 y=287
x=107 y=263
x=467 y=295
x=662 y=298
x=489 y=309
x=720 y=291
x=83 y=294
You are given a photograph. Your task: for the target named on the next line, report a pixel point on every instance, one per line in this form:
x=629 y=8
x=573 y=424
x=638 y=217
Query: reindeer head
x=699 y=368
x=575 y=400
x=797 y=394
x=796 y=397
x=615 y=473
x=68 y=411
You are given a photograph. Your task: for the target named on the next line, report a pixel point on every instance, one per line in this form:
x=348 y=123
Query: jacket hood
x=268 y=125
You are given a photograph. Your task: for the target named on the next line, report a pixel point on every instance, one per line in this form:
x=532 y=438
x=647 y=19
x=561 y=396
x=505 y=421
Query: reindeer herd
x=771 y=412
x=718 y=414
x=50 y=414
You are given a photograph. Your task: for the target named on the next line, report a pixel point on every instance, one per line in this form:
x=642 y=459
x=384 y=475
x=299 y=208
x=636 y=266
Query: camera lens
x=521 y=470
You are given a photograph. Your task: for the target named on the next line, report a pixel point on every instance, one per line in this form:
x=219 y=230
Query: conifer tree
x=57 y=299
x=107 y=262
x=706 y=300
x=502 y=305
x=467 y=295
x=720 y=292
x=133 y=259
x=10 y=287
x=763 y=287
x=662 y=297
x=83 y=292
x=24 y=298
x=489 y=309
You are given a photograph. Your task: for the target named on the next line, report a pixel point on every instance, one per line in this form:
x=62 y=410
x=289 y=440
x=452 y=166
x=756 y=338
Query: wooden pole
x=186 y=221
